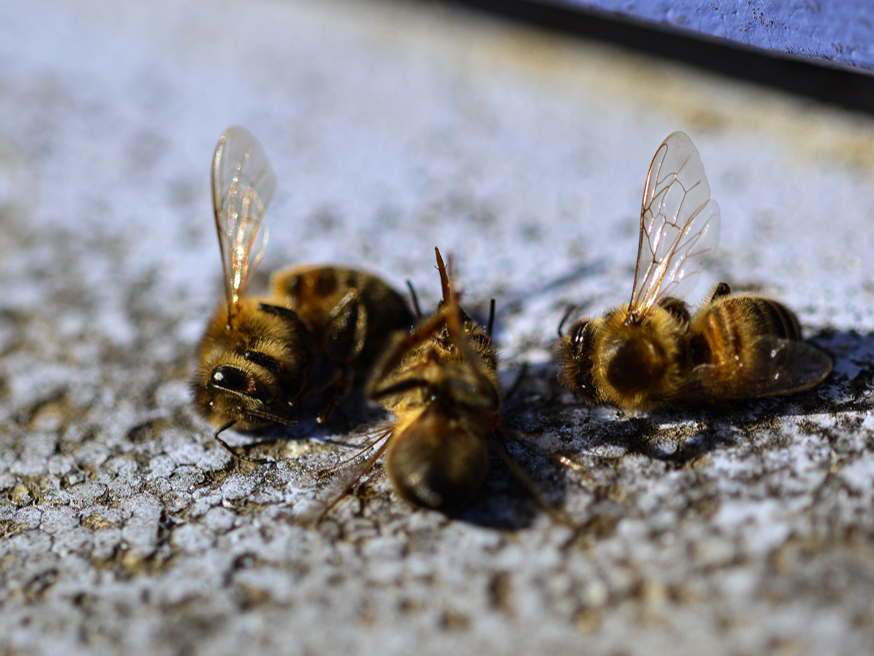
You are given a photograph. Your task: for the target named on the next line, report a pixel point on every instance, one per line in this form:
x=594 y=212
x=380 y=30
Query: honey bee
x=256 y=355
x=441 y=382
x=652 y=352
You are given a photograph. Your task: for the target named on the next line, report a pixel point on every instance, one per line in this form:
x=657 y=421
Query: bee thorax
x=634 y=365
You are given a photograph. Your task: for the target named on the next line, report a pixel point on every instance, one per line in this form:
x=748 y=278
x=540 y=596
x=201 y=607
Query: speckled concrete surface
x=394 y=128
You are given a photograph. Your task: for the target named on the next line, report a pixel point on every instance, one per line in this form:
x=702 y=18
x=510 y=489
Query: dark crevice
x=822 y=82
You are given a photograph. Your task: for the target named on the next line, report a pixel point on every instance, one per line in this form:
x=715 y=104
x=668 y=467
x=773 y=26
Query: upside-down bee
x=257 y=353
x=652 y=352
x=440 y=381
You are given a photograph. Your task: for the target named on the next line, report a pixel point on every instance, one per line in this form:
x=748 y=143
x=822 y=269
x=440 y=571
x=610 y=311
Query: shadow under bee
x=680 y=437
x=502 y=501
x=852 y=380
x=586 y=436
x=506 y=501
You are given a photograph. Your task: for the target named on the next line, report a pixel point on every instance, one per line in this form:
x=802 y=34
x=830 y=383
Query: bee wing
x=679 y=224
x=770 y=367
x=243 y=183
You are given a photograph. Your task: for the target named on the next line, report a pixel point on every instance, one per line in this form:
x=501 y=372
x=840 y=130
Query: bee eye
x=578 y=333
x=229 y=378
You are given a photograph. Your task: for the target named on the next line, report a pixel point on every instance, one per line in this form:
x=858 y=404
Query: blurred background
x=516 y=136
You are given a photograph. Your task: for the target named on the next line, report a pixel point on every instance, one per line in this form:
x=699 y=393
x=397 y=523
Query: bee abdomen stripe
x=775 y=319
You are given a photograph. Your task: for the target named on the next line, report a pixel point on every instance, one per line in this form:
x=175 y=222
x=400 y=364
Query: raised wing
x=770 y=366
x=679 y=225
x=243 y=183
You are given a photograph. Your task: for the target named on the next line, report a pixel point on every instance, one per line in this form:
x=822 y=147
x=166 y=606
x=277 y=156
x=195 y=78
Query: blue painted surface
x=838 y=32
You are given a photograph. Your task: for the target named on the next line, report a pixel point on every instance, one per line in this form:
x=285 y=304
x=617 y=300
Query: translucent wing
x=679 y=224
x=770 y=367
x=243 y=183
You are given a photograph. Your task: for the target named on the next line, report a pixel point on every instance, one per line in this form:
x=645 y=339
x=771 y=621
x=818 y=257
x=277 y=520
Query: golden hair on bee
x=440 y=381
x=652 y=352
x=257 y=354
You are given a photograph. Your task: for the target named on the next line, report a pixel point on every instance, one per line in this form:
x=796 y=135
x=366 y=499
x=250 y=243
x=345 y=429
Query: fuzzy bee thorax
x=633 y=360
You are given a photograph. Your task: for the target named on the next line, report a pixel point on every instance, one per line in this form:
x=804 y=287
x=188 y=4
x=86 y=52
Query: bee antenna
x=564 y=318
x=491 y=323
x=415 y=299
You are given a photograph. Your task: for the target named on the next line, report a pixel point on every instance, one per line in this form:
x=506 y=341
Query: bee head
x=575 y=356
x=247 y=373
x=232 y=393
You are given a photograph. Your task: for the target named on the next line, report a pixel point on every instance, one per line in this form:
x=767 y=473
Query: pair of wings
x=243 y=183
x=679 y=229
x=679 y=223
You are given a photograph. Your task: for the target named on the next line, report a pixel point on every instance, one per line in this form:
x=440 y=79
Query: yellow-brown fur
x=625 y=362
x=440 y=381
x=343 y=315
x=736 y=346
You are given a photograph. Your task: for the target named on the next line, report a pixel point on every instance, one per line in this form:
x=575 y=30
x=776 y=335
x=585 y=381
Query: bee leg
x=392 y=356
x=350 y=298
x=564 y=319
x=341 y=485
x=359 y=334
x=233 y=451
x=414 y=297
x=360 y=329
x=722 y=289
x=405 y=384
x=491 y=322
x=381 y=435
x=444 y=276
x=448 y=314
x=517 y=383
x=303 y=390
x=517 y=471
x=452 y=313
x=338 y=323
x=336 y=389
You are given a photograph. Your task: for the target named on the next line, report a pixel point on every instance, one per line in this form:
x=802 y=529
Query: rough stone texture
x=838 y=32
x=394 y=128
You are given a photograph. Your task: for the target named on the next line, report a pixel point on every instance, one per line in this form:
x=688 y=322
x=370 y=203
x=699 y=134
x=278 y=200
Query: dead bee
x=652 y=352
x=440 y=381
x=257 y=353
